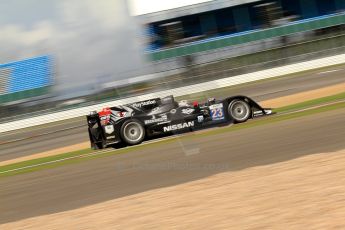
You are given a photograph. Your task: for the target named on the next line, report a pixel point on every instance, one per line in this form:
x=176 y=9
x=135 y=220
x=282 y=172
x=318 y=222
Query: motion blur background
x=63 y=54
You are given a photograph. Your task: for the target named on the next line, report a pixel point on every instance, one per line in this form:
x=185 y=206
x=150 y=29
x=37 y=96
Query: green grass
x=80 y=156
x=76 y=156
x=311 y=103
x=44 y=159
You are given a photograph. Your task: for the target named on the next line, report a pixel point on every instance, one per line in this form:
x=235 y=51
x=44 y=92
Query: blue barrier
x=25 y=78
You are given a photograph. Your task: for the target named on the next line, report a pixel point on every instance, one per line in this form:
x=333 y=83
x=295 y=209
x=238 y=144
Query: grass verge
x=311 y=103
x=82 y=155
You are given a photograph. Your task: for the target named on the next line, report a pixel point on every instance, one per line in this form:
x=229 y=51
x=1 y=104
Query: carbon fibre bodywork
x=163 y=116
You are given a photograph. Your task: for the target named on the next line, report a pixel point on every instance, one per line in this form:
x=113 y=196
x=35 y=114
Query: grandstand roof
x=192 y=9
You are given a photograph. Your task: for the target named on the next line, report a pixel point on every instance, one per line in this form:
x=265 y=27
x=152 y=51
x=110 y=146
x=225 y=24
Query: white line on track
x=330 y=71
x=95 y=153
x=39 y=135
x=54 y=161
x=35 y=165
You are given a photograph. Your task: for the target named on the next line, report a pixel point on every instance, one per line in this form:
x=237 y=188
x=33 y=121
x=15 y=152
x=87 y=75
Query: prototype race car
x=133 y=123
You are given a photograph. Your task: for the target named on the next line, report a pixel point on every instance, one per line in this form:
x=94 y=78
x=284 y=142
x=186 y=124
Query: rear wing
x=93 y=120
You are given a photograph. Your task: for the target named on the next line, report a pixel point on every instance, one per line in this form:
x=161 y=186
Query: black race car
x=133 y=123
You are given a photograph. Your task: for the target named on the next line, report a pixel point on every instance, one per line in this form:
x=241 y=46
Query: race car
x=131 y=124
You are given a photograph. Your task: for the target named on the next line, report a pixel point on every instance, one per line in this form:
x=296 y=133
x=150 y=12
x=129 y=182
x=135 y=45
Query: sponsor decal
x=257 y=113
x=183 y=103
x=109 y=129
x=178 y=126
x=156 y=120
x=164 y=122
x=110 y=137
x=187 y=111
x=144 y=103
x=104 y=116
x=217 y=112
x=200 y=119
x=118 y=115
x=155 y=110
x=107 y=117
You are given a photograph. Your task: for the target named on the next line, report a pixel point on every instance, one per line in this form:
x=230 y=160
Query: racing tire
x=132 y=132
x=239 y=110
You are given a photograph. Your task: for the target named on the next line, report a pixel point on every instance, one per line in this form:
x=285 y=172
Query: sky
x=91 y=42
x=139 y=7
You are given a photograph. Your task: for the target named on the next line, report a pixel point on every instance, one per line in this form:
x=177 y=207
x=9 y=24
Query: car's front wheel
x=239 y=110
x=132 y=132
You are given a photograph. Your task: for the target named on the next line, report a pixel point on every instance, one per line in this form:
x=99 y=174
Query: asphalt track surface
x=259 y=91
x=183 y=160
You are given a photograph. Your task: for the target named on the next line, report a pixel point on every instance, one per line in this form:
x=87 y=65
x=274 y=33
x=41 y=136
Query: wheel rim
x=239 y=111
x=133 y=132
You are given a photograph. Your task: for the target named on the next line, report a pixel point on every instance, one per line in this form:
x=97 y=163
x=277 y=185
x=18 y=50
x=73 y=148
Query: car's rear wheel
x=239 y=110
x=132 y=132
